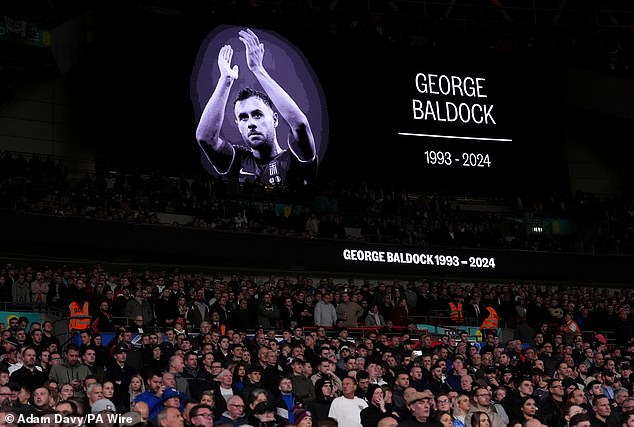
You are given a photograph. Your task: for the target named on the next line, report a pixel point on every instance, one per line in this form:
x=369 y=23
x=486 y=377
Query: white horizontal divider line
x=429 y=135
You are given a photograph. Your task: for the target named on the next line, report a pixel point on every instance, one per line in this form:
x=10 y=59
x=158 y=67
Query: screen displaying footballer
x=433 y=119
x=260 y=109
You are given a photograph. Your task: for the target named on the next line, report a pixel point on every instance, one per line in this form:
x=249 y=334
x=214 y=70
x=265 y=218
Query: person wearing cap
x=420 y=406
x=179 y=327
x=10 y=345
x=173 y=398
x=120 y=373
x=344 y=352
x=347 y=408
x=102 y=405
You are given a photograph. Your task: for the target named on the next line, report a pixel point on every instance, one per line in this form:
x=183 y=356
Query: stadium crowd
x=171 y=348
x=379 y=214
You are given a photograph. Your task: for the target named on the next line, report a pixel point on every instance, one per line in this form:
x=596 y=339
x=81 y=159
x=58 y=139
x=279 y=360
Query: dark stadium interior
x=429 y=261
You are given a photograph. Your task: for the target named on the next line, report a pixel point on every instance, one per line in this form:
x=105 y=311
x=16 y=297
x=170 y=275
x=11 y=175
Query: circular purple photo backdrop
x=283 y=61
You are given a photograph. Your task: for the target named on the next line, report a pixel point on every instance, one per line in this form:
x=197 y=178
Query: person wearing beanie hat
x=102 y=405
x=169 y=393
x=303 y=418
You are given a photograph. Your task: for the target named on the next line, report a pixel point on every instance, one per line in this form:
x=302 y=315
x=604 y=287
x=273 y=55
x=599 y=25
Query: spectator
x=482 y=403
x=347 y=408
x=348 y=311
x=268 y=313
x=234 y=415
x=325 y=313
x=140 y=306
x=420 y=405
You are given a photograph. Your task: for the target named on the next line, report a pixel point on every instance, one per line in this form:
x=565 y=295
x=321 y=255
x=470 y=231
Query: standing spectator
x=21 y=290
x=39 y=289
x=303 y=387
x=399 y=314
x=374 y=318
x=140 y=306
x=348 y=311
x=103 y=320
x=324 y=395
x=120 y=374
x=245 y=316
x=302 y=310
x=286 y=400
x=198 y=311
x=325 y=312
x=623 y=328
x=347 y=409
x=166 y=312
x=288 y=316
x=268 y=313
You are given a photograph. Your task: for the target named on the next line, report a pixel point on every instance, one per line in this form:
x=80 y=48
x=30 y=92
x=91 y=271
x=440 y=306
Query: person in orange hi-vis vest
x=79 y=317
x=455 y=310
x=491 y=321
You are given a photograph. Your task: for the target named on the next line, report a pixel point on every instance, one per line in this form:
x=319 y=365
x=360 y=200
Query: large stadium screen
x=317 y=107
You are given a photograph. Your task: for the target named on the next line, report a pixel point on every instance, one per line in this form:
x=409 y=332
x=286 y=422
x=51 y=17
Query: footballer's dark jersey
x=283 y=169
